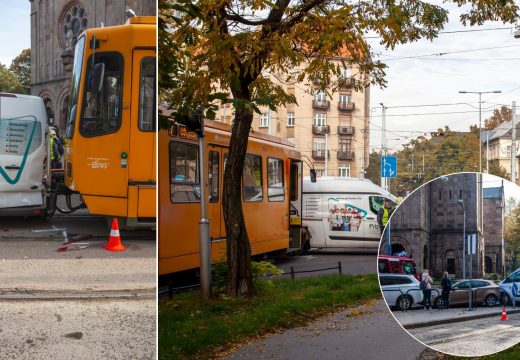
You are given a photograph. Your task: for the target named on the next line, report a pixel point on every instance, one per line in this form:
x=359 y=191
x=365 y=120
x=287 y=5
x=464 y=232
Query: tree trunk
x=240 y=281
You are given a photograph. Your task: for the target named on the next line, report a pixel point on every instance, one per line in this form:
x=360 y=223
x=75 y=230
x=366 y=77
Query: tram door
x=295 y=204
x=98 y=167
x=215 y=156
x=141 y=158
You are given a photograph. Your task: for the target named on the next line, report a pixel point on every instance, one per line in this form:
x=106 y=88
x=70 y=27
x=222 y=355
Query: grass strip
x=191 y=328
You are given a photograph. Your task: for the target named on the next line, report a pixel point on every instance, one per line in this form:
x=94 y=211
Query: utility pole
x=513 y=143
x=204 y=241
x=326 y=154
x=383 y=143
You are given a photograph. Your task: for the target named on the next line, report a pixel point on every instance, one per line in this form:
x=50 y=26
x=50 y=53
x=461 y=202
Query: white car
x=400 y=291
x=511 y=287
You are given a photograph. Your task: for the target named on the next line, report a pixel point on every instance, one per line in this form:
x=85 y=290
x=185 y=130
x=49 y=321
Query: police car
x=511 y=286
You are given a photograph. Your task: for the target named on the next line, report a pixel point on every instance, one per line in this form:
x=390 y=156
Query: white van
x=342 y=212
x=511 y=287
x=24 y=155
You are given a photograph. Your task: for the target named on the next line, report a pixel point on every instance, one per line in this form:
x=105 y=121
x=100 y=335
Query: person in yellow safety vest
x=384 y=214
x=56 y=150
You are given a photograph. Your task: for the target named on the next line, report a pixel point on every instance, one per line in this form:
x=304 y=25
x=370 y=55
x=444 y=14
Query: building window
x=345 y=120
x=319 y=146
x=320 y=119
x=290 y=119
x=346 y=73
x=345 y=145
x=320 y=172
x=320 y=97
x=265 y=120
x=73 y=23
x=344 y=171
x=344 y=98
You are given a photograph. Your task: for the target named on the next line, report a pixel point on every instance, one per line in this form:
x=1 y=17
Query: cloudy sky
x=15 y=29
x=487 y=59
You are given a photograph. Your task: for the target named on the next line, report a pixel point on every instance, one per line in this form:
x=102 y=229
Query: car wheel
x=491 y=300
x=507 y=299
x=404 y=302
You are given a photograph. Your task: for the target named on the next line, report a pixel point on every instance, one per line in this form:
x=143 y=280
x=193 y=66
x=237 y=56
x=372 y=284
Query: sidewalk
x=366 y=332
x=420 y=318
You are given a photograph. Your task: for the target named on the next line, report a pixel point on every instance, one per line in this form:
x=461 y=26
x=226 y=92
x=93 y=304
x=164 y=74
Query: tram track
x=87 y=294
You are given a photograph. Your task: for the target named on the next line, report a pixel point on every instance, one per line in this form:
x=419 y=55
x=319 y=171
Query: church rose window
x=73 y=23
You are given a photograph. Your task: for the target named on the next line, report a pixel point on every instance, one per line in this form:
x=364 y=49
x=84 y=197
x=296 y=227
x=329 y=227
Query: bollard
x=292 y=273
x=339 y=268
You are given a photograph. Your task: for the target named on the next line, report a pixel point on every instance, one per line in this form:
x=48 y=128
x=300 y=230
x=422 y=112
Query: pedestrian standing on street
x=56 y=150
x=426 y=286
x=446 y=288
x=384 y=214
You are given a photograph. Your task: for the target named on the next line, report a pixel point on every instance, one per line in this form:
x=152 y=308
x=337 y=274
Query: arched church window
x=73 y=23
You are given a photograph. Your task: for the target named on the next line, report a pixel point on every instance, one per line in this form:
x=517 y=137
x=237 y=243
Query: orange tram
x=271 y=195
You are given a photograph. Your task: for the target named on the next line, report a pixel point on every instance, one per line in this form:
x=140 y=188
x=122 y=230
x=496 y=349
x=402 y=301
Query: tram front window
x=74 y=88
x=102 y=110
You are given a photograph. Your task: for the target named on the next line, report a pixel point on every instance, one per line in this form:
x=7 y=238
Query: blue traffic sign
x=389 y=166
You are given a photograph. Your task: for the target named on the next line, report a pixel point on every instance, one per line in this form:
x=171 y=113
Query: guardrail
x=170 y=290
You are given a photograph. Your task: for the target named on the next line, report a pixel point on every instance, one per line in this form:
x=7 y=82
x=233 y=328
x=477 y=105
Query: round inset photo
x=449 y=264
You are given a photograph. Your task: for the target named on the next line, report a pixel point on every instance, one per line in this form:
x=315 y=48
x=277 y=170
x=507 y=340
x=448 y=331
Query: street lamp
x=461 y=203
x=480 y=122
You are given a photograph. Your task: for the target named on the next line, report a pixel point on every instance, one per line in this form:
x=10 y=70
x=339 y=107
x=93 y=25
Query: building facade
x=429 y=225
x=331 y=130
x=55 y=25
x=494 y=205
x=497 y=145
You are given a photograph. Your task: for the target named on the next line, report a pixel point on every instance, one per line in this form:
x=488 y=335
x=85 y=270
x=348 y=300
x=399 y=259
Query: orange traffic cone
x=114 y=241
x=504 y=315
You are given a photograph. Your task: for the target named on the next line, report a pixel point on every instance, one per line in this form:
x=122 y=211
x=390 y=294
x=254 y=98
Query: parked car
x=387 y=264
x=510 y=286
x=486 y=292
x=400 y=291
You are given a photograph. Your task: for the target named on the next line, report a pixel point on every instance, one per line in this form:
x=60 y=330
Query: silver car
x=400 y=291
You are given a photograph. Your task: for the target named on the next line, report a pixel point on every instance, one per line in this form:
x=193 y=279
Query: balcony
x=319 y=154
x=321 y=104
x=346 y=130
x=320 y=129
x=345 y=155
x=344 y=106
x=346 y=83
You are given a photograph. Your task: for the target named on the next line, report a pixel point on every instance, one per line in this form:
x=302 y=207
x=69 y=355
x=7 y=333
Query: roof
x=502 y=130
x=328 y=184
x=493 y=193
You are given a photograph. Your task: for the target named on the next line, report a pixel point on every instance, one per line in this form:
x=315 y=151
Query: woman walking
x=426 y=287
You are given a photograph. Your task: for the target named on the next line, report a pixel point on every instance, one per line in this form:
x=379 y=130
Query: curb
x=47 y=295
x=457 y=319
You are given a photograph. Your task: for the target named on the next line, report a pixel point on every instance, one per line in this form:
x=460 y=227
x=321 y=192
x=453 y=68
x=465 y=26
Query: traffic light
x=437 y=133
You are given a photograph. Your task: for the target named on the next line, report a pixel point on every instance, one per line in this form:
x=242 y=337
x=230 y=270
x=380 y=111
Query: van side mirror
x=96 y=78
x=313 y=175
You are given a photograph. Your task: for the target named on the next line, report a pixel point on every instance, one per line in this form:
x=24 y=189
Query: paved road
x=66 y=330
x=354 y=263
x=368 y=332
x=472 y=338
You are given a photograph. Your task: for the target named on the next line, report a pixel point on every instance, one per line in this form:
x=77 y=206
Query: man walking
x=384 y=214
x=446 y=288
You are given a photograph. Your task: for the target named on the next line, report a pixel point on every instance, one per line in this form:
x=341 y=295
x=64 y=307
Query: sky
x=483 y=60
x=15 y=29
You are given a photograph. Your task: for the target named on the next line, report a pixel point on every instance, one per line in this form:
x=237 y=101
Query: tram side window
x=102 y=110
x=213 y=173
x=184 y=172
x=275 y=180
x=147 y=95
x=252 y=178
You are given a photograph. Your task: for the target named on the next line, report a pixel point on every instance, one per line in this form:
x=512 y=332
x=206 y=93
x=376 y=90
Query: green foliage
x=21 y=67
x=192 y=328
x=260 y=270
x=512 y=233
x=9 y=82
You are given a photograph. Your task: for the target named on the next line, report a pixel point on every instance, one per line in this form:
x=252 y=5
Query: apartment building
x=330 y=130
x=499 y=142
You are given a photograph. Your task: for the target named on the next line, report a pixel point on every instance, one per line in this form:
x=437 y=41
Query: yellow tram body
x=272 y=175
x=110 y=152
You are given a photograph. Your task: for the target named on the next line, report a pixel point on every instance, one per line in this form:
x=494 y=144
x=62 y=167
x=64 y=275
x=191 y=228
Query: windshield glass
x=74 y=86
